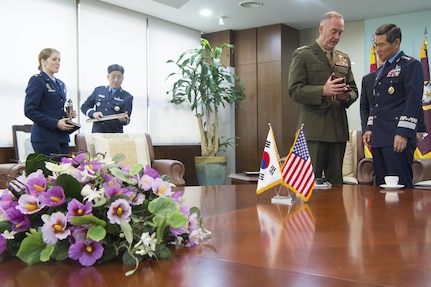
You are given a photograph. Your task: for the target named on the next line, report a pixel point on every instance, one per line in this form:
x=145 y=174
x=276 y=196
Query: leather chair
x=173 y=168
x=421 y=170
x=9 y=171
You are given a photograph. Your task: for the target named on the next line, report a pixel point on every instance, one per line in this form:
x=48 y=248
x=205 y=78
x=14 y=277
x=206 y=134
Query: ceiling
x=299 y=14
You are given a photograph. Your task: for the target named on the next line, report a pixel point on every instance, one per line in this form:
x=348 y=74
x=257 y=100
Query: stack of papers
x=426 y=184
x=325 y=185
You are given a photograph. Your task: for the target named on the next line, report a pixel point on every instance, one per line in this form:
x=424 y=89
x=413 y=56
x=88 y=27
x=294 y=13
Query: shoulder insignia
x=301 y=48
x=406 y=58
x=36 y=75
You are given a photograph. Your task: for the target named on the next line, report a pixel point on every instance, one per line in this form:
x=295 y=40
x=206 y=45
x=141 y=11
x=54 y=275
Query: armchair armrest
x=421 y=169
x=366 y=171
x=173 y=168
x=9 y=171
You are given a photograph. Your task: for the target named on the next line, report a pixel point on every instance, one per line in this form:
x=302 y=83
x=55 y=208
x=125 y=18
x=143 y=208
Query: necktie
x=329 y=56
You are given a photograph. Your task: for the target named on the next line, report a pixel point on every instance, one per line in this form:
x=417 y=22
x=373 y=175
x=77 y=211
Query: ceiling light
x=250 y=4
x=206 y=12
x=221 y=20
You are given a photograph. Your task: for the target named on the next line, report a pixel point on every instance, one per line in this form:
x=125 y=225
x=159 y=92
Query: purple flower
x=2 y=244
x=36 y=182
x=111 y=181
x=113 y=191
x=146 y=182
x=151 y=172
x=161 y=188
x=87 y=252
x=54 y=197
x=75 y=159
x=6 y=200
x=76 y=208
x=20 y=222
x=119 y=210
x=138 y=199
x=55 y=227
x=79 y=233
x=28 y=204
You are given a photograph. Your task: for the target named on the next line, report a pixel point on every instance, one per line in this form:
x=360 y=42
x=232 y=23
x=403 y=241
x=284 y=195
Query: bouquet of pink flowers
x=94 y=210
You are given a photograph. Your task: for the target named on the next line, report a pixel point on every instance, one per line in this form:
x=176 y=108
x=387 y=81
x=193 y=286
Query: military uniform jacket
x=102 y=101
x=44 y=105
x=397 y=100
x=324 y=119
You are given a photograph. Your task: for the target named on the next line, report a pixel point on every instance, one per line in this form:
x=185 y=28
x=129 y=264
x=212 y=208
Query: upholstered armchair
x=135 y=147
x=22 y=147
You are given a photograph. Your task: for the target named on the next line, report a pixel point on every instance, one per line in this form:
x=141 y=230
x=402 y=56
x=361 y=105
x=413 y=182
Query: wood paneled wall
x=262 y=58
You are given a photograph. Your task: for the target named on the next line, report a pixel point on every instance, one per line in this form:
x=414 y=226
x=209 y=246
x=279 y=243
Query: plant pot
x=211 y=170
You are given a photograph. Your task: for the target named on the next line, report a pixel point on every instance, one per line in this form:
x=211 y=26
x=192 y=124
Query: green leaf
x=123 y=176
x=96 y=232
x=72 y=188
x=31 y=248
x=36 y=161
x=136 y=169
x=119 y=157
x=61 y=251
x=46 y=253
x=163 y=252
x=177 y=220
x=127 y=230
x=163 y=205
x=87 y=219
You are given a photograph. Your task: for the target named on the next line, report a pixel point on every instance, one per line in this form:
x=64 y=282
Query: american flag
x=297 y=170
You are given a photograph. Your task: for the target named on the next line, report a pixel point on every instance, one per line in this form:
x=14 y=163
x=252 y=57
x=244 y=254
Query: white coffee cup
x=391 y=180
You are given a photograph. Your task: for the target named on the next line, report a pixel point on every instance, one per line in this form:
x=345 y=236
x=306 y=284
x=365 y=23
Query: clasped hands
x=336 y=87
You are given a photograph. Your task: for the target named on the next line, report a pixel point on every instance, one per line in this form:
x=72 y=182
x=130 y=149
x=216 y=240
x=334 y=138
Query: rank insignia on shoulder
x=407 y=58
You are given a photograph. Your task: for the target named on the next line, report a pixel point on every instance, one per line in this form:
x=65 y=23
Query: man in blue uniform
x=107 y=101
x=393 y=116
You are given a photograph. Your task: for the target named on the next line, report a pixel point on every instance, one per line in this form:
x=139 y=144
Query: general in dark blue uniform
x=393 y=116
x=109 y=100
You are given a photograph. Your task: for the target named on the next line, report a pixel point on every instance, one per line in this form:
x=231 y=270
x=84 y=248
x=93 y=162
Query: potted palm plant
x=207 y=85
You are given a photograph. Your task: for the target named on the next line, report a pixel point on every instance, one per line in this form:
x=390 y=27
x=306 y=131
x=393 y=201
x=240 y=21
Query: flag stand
x=283 y=199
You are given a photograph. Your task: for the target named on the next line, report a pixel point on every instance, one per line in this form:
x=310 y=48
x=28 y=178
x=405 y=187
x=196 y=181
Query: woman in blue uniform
x=45 y=105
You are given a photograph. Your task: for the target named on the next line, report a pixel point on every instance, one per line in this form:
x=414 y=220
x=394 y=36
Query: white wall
x=111 y=35
x=24 y=33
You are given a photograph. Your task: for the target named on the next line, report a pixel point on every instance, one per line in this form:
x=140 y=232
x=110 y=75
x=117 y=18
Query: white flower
x=9 y=235
x=90 y=194
x=64 y=168
x=147 y=244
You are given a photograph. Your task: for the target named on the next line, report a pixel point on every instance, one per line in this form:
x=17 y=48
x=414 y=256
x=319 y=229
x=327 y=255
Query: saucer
x=397 y=186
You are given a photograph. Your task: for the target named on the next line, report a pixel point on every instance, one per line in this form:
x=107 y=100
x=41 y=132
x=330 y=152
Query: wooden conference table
x=350 y=235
